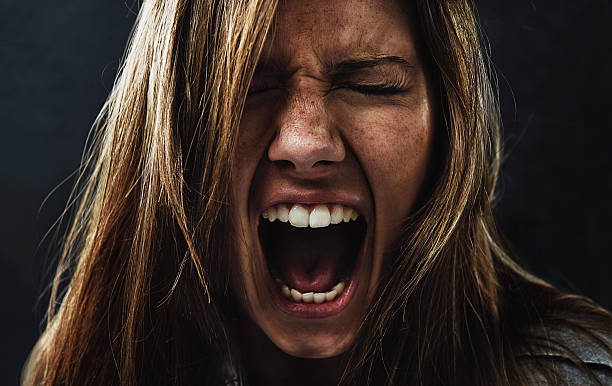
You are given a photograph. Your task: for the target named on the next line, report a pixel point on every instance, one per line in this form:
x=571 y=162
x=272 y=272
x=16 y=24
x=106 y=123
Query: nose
x=306 y=140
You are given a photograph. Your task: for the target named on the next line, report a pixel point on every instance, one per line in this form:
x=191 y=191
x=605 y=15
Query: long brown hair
x=147 y=301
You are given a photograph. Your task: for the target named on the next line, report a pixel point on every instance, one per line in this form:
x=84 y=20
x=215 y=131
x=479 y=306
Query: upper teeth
x=320 y=215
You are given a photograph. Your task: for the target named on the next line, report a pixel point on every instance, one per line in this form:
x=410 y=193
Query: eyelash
x=378 y=90
x=259 y=90
x=382 y=90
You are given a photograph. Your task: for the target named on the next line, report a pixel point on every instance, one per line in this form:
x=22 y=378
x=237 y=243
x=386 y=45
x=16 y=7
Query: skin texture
x=317 y=119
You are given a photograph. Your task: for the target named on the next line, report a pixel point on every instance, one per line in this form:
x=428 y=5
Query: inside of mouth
x=311 y=259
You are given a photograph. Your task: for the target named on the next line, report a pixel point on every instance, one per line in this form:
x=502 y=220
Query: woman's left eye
x=375 y=90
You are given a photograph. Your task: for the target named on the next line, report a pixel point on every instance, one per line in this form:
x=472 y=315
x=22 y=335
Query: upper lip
x=312 y=197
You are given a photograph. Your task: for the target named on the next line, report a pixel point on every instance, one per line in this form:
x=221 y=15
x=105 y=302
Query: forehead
x=330 y=30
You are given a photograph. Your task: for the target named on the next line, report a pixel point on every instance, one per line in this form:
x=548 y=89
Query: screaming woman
x=300 y=193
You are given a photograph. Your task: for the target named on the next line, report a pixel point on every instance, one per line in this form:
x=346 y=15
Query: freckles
x=247 y=141
x=252 y=126
x=253 y=134
x=392 y=142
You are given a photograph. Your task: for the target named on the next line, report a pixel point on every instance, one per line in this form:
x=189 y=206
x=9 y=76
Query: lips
x=312 y=253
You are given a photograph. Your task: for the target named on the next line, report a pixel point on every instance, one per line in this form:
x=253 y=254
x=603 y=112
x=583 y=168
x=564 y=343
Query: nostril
x=323 y=163
x=284 y=164
x=303 y=144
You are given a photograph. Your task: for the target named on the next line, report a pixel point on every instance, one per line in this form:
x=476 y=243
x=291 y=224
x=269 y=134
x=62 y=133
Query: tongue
x=311 y=260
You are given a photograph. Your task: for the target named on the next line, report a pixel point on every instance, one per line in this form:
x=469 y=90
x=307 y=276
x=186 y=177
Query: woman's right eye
x=257 y=90
x=262 y=87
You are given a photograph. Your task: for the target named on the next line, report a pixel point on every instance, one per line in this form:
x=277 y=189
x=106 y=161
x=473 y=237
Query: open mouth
x=312 y=254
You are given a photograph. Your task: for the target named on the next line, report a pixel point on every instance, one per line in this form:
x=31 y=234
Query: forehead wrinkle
x=362 y=48
x=312 y=48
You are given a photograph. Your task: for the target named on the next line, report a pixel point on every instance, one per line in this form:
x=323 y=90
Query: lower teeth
x=311 y=297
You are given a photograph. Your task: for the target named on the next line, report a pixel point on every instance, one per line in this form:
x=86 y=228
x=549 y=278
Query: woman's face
x=334 y=146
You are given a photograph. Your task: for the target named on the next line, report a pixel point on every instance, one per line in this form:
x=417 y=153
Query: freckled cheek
x=250 y=147
x=394 y=152
x=249 y=135
x=393 y=149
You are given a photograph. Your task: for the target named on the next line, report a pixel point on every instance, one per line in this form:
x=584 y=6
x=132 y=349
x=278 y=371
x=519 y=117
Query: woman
x=300 y=193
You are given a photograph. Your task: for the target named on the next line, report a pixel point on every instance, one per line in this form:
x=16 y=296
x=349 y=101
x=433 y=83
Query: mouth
x=313 y=255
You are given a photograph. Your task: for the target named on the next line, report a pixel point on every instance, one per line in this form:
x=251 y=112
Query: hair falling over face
x=148 y=300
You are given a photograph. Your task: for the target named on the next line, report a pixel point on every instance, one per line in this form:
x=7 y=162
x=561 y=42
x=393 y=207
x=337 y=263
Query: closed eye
x=264 y=83
x=254 y=90
x=382 y=89
x=376 y=90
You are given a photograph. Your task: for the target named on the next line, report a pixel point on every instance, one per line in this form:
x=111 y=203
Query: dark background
x=554 y=60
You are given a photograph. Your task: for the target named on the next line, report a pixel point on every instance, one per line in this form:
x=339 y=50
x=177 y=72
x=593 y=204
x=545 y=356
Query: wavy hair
x=147 y=300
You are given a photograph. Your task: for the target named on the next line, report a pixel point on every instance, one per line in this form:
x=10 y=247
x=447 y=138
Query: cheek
x=246 y=157
x=393 y=145
x=252 y=141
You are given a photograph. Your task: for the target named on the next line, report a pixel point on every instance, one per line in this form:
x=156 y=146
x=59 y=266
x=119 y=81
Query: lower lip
x=312 y=310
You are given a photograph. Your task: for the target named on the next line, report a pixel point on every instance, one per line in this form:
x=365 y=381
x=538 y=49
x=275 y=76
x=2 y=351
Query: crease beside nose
x=306 y=140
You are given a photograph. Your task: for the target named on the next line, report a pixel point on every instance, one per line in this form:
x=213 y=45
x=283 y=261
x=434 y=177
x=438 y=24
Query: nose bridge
x=305 y=136
x=304 y=116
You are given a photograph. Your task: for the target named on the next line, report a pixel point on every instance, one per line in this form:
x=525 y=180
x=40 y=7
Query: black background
x=554 y=59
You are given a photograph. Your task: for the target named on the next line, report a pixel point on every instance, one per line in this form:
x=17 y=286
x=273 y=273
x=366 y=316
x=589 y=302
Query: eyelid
x=378 y=88
x=374 y=79
x=258 y=86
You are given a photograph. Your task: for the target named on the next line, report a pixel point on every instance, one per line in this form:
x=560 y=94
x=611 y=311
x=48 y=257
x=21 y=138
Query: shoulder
x=568 y=356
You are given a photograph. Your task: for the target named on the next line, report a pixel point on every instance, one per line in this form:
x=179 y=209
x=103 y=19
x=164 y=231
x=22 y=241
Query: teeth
x=312 y=297
x=271 y=215
x=339 y=287
x=298 y=216
x=336 y=214
x=347 y=214
x=282 y=213
x=319 y=298
x=308 y=297
x=320 y=215
x=286 y=291
x=330 y=295
x=296 y=295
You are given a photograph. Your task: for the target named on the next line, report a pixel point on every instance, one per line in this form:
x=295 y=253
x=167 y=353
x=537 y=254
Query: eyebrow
x=358 y=64
x=332 y=68
x=271 y=66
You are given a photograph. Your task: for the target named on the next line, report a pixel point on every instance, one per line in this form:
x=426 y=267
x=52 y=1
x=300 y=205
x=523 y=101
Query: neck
x=266 y=364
